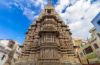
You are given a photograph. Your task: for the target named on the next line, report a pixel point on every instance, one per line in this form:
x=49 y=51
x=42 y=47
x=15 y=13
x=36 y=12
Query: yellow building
x=78 y=47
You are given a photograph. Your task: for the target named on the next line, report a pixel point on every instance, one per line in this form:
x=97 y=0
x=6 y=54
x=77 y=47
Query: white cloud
x=62 y=4
x=29 y=13
x=4 y=4
x=36 y=3
x=78 y=16
x=27 y=6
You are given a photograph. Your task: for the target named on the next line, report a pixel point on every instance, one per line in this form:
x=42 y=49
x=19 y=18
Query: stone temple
x=48 y=41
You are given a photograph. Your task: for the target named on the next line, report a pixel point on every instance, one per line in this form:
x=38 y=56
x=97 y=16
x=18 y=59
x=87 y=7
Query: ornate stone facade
x=48 y=41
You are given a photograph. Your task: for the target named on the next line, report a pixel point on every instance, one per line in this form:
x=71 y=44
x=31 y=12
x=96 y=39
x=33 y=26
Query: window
x=3 y=57
x=95 y=46
x=84 y=52
x=49 y=11
x=11 y=44
x=98 y=22
x=98 y=34
x=88 y=50
x=81 y=54
x=49 y=37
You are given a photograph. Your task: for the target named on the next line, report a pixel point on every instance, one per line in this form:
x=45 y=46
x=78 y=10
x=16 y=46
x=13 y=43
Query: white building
x=4 y=51
x=96 y=22
x=9 y=52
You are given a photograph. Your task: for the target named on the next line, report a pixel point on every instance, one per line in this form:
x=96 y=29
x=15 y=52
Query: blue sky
x=17 y=15
x=13 y=22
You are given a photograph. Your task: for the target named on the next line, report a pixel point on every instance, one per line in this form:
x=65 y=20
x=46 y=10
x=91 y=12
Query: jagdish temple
x=48 y=41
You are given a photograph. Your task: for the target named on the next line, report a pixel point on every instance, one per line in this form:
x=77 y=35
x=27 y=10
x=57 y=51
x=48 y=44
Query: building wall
x=97 y=32
x=78 y=44
x=82 y=57
x=3 y=60
x=97 y=42
x=16 y=55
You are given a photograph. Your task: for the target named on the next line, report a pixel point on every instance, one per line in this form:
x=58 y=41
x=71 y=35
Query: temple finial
x=49 y=2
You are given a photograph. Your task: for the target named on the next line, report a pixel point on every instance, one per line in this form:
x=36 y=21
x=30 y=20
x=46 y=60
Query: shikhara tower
x=48 y=41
